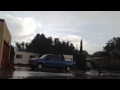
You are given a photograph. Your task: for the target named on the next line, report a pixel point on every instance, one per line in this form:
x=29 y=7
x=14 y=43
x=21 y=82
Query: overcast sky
x=94 y=27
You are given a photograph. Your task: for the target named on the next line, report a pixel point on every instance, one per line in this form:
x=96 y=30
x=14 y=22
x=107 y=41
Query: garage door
x=5 y=56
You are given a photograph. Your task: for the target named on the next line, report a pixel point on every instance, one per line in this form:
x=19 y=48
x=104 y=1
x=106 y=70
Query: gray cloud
x=94 y=27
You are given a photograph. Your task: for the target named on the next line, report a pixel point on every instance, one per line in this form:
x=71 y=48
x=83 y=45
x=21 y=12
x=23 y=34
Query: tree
x=12 y=54
x=81 y=47
x=23 y=46
x=113 y=46
x=100 y=54
x=81 y=59
x=85 y=53
x=20 y=46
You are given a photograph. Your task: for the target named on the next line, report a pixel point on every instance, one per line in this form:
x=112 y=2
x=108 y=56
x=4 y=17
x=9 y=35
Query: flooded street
x=27 y=73
x=34 y=75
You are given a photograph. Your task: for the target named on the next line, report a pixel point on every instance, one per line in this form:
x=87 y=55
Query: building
x=5 y=43
x=68 y=57
x=23 y=57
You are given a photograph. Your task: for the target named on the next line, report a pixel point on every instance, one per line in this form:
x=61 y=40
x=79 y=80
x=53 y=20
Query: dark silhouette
x=42 y=45
x=81 y=59
x=81 y=47
x=100 y=54
x=12 y=54
x=113 y=46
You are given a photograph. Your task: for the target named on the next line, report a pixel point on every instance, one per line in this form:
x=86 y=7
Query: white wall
x=68 y=57
x=25 y=57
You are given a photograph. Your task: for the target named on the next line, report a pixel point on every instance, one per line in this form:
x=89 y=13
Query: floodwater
x=34 y=75
x=26 y=73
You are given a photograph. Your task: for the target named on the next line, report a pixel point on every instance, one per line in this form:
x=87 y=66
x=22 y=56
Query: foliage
x=81 y=59
x=81 y=47
x=113 y=46
x=95 y=64
x=85 y=53
x=100 y=54
x=42 y=45
x=12 y=53
x=81 y=62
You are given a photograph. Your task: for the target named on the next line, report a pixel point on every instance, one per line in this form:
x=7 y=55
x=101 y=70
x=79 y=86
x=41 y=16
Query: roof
x=96 y=58
x=100 y=58
x=2 y=20
x=25 y=52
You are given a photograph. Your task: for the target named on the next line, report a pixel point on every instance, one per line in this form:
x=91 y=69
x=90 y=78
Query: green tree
x=85 y=53
x=81 y=59
x=18 y=46
x=113 y=46
x=81 y=47
x=100 y=54
x=12 y=53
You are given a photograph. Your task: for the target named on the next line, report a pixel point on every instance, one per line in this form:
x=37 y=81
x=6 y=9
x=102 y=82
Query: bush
x=81 y=62
x=95 y=64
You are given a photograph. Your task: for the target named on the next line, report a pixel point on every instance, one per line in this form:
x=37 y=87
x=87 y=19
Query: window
x=57 y=58
x=31 y=56
x=19 y=56
x=43 y=57
x=51 y=57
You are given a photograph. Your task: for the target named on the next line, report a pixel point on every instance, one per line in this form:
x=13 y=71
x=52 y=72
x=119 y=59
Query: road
x=26 y=73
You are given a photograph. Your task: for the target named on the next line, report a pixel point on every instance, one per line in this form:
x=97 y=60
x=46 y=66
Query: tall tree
x=85 y=53
x=81 y=59
x=12 y=54
x=81 y=47
x=18 y=46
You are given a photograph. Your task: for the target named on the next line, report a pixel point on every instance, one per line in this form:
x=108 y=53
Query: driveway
x=27 y=73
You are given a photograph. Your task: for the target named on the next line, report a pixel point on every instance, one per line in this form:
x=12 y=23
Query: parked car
x=51 y=61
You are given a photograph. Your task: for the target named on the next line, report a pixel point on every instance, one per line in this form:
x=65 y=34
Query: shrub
x=81 y=62
x=95 y=64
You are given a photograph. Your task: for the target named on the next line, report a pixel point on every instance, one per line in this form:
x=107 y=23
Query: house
x=23 y=57
x=5 y=43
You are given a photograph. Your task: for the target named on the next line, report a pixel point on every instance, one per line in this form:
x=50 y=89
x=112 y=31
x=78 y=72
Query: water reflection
x=33 y=75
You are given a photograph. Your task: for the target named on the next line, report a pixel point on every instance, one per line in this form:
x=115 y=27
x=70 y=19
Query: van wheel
x=68 y=68
x=40 y=66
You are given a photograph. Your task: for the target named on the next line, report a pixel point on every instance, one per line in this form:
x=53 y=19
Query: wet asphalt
x=27 y=73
